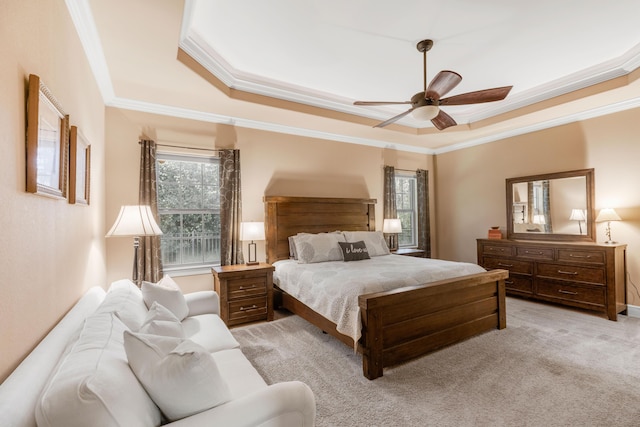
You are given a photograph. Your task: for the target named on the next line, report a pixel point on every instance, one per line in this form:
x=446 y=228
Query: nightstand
x=419 y=253
x=246 y=292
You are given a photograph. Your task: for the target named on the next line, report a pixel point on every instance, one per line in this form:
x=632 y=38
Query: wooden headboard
x=287 y=216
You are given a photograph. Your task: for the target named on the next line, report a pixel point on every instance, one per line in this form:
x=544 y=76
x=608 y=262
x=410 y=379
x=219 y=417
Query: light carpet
x=551 y=366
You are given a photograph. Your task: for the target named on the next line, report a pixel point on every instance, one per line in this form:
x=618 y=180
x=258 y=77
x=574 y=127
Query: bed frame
x=397 y=325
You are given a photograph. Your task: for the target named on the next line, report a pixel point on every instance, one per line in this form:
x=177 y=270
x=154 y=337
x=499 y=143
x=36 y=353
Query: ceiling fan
x=425 y=105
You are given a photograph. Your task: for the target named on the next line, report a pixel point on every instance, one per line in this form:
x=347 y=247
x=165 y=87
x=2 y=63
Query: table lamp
x=252 y=231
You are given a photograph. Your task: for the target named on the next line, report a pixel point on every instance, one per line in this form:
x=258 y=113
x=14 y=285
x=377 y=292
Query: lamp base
x=252 y=251
x=610 y=242
x=252 y=263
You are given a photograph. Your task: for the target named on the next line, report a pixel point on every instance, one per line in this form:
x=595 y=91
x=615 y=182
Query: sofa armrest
x=203 y=302
x=289 y=403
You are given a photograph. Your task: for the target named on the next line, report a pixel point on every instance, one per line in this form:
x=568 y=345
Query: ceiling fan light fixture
x=426 y=112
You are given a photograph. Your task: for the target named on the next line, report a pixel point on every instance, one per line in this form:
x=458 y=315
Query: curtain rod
x=215 y=150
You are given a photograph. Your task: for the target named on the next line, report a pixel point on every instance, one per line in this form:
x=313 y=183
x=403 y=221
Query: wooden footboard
x=409 y=322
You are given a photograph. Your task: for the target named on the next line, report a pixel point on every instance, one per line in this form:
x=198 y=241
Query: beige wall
x=272 y=164
x=470 y=191
x=50 y=251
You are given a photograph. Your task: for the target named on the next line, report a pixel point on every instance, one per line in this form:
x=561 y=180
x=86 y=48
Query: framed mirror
x=553 y=206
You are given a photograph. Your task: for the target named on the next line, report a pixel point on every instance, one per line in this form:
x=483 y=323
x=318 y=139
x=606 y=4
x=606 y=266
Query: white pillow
x=161 y=321
x=93 y=384
x=125 y=300
x=376 y=244
x=168 y=293
x=319 y=247
x=181 y=377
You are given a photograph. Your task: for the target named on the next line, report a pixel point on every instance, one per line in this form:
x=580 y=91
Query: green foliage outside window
x=189 y=210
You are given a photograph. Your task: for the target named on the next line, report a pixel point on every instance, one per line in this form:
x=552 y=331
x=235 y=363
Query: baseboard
x=633 y=310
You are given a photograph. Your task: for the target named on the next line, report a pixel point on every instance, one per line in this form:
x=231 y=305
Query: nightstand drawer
x=241 y=288
x=247 y=310
x=571 y=272
x=592 y=295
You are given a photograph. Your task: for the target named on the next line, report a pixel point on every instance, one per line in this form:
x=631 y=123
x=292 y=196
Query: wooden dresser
x=586 y=275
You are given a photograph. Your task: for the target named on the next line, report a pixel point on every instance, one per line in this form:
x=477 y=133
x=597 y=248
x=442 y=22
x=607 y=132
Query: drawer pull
x=572 y=273
x=248 y=308
x=534 y=253
x=579 y=256
x=567 y=292
x=504 y=265
x=242 y=288
x=508 y=282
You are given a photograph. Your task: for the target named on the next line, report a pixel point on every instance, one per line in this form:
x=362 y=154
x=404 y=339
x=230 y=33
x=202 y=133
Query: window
x=189 y=211
x=407 y=208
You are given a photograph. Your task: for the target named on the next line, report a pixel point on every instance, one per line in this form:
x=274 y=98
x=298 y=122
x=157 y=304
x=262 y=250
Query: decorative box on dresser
x=246 y=292
x=586 y=275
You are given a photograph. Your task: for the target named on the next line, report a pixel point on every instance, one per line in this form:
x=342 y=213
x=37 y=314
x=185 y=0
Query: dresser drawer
x=514 y=266
x=535 y=253
x=247 y=309
x=571 y=272
x=519 y=284
x=497 y=250
x=246 y=287
x=593 y=295
x=591 y=257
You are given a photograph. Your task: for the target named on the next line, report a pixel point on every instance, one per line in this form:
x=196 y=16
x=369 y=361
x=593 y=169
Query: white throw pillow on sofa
x=168 y=293
x=93 y=384
x=181 y=377
x=125 y=300
x=161 y=321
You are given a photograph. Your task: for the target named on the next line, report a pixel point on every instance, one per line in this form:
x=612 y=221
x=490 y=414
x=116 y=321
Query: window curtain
x=389 y=203
x=230 y=208
x=424 y=223
x=150 y=256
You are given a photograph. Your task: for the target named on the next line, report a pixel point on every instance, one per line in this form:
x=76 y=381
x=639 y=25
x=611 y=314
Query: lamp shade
x=426 y=112
x=135 y=220
x=608 y=214
x=392 y=226
x=252 y=231
x=578 y=215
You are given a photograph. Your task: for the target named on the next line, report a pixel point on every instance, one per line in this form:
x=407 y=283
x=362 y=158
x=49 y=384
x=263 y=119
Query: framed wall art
x=47 y=142
x=79 y=167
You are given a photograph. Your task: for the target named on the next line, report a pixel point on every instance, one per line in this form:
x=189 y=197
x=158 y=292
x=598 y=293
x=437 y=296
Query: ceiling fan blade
x=380 y=102
x=477 y=97
x=442 y=83
x=393 y=119
x=443 y=121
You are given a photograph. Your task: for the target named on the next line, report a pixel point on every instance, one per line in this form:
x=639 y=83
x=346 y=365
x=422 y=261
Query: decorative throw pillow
x=168 y=293
x=125 y=300
x=293 y=254
x=354 y=251
x=321 y=247
x=376 y=245
x=161 y=321
x=181 y=377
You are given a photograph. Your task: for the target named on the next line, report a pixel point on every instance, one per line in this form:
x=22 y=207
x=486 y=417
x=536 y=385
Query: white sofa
x=47 y=389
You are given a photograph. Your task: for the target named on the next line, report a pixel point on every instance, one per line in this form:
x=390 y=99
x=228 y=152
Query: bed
x=396 y=325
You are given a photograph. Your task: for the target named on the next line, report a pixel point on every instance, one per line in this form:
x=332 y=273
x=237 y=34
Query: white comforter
x=332 y=288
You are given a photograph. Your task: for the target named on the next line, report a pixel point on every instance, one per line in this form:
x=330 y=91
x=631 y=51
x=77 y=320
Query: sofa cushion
x=88 y=385
x=209 y=331
x=161 y=321
x=240 y=375
x=168 y=293
x=181 y=377
x=125 y=300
